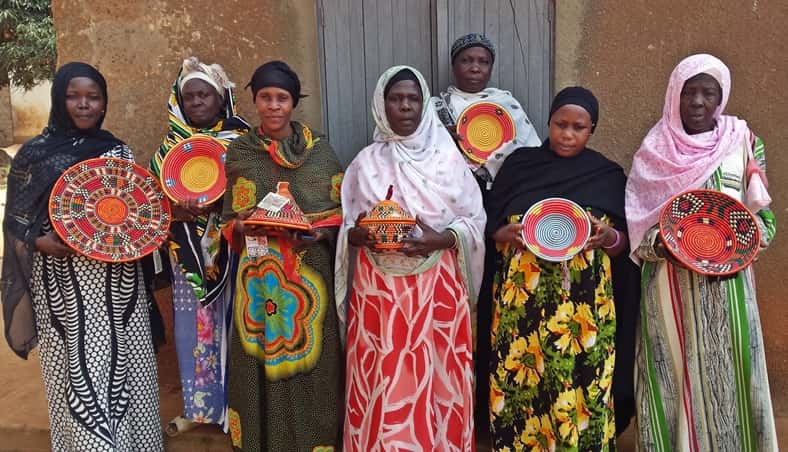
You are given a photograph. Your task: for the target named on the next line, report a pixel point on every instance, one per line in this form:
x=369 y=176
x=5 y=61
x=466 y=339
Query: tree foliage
x=27 y=42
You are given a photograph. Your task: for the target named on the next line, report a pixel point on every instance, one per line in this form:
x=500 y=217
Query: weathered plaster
x=139 y=47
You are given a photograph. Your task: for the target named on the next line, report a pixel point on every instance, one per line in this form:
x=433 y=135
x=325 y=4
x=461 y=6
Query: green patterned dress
x=553 y=353
x=285 y=373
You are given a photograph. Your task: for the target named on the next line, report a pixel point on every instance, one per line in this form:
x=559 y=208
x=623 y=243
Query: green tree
x=27 y=42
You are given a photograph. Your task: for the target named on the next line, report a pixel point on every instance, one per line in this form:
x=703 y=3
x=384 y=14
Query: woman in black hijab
x=90 y=318
x=554 y=323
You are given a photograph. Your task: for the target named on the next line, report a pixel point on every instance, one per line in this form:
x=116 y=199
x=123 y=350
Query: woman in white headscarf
x=409 y=340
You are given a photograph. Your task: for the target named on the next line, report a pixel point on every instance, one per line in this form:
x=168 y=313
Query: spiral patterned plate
x=556 y=229
x=709 y=232
x=484 y=126
x=109 y=209
x=194 y=170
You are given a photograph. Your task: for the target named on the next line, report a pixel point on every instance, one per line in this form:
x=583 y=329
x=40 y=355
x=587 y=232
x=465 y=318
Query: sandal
x=179 y=425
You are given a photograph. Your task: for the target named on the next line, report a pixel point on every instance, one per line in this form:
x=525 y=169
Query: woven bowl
x=709 y=232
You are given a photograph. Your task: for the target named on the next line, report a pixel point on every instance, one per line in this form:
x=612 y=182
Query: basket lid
x=288 y=215
x=388 y=211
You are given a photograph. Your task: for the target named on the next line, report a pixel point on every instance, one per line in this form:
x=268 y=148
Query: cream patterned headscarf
x=212 y=74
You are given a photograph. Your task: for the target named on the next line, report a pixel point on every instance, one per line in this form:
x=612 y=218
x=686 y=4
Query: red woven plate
x=194 y=170
x=110 y=210
x=556 y=229
x=484 y=127
x=709 y=232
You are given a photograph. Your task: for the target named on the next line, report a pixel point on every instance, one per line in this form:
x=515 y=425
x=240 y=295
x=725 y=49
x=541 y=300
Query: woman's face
x=403 y=107
x=85 y=103
x=472 y=69
x=274 y=106
x=201 y=103
x=700 y=97
x=569 y=130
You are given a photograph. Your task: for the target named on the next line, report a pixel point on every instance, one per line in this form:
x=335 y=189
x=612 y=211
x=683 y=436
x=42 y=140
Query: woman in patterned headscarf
x=701 y=380
x=409 y=338
x=285 y=376
x=96 y=350
x=201 y=102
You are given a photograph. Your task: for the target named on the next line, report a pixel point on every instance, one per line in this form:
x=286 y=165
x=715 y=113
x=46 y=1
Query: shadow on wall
x=30 y=110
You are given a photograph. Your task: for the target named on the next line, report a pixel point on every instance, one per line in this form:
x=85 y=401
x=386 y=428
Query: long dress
x=701 y=377
x=554 y=323
x=200 y=275
x=285 y=370
x=96 y=352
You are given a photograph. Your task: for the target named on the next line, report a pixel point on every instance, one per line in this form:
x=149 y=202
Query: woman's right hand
x=50 y=244
x=358 y=235
x=511 y=234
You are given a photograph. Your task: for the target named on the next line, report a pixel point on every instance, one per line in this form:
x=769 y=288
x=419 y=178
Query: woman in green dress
x=554 y=323
x=285 y=372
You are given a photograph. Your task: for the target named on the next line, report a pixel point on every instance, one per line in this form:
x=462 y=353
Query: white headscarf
x=212 y=74
x=431 y=180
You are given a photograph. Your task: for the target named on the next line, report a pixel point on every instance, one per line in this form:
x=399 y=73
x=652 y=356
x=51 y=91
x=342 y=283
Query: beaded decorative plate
x=556 y=229
x=109 y=209
x=484 y=126
x=709 y=232
x=194 y=170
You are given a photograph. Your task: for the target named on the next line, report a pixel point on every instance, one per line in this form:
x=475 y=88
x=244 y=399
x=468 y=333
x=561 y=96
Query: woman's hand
x=51 y=245
x=511 y=234
x=358 y=235
x=189 y=210
x=602 y=235
x=430 y=241
x=661 y=250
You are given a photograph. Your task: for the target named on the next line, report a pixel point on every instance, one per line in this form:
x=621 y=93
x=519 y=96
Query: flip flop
x=179 y=425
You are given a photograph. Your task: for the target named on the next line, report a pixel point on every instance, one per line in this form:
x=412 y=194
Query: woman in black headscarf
x=96 y=351
x=285 y=372
x=554 y=323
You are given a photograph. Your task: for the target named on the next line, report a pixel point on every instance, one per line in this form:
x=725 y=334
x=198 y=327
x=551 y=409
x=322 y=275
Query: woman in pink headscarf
x=701 y=378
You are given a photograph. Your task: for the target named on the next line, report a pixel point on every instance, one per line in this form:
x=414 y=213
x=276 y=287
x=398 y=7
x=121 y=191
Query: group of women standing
x=316 y=342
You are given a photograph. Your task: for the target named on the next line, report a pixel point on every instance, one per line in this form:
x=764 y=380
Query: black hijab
x=591 y=180
x=40 y=161
x=278 y=74
x=34 y=170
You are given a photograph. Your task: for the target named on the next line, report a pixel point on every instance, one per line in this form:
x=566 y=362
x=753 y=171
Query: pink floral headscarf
x=669 y=160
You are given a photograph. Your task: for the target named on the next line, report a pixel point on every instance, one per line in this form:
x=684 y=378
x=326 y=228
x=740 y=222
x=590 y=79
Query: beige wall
x=6 y=117
x=139 y=47
x=625 y=50
x=30 y=110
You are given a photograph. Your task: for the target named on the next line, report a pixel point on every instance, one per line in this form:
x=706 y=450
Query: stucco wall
x=625 y=50
x=139 y=47
x=6 y=118
x=30 y=110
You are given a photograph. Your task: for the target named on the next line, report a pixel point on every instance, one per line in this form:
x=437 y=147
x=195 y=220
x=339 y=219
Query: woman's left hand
x=602 y=235
x=430 y=240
